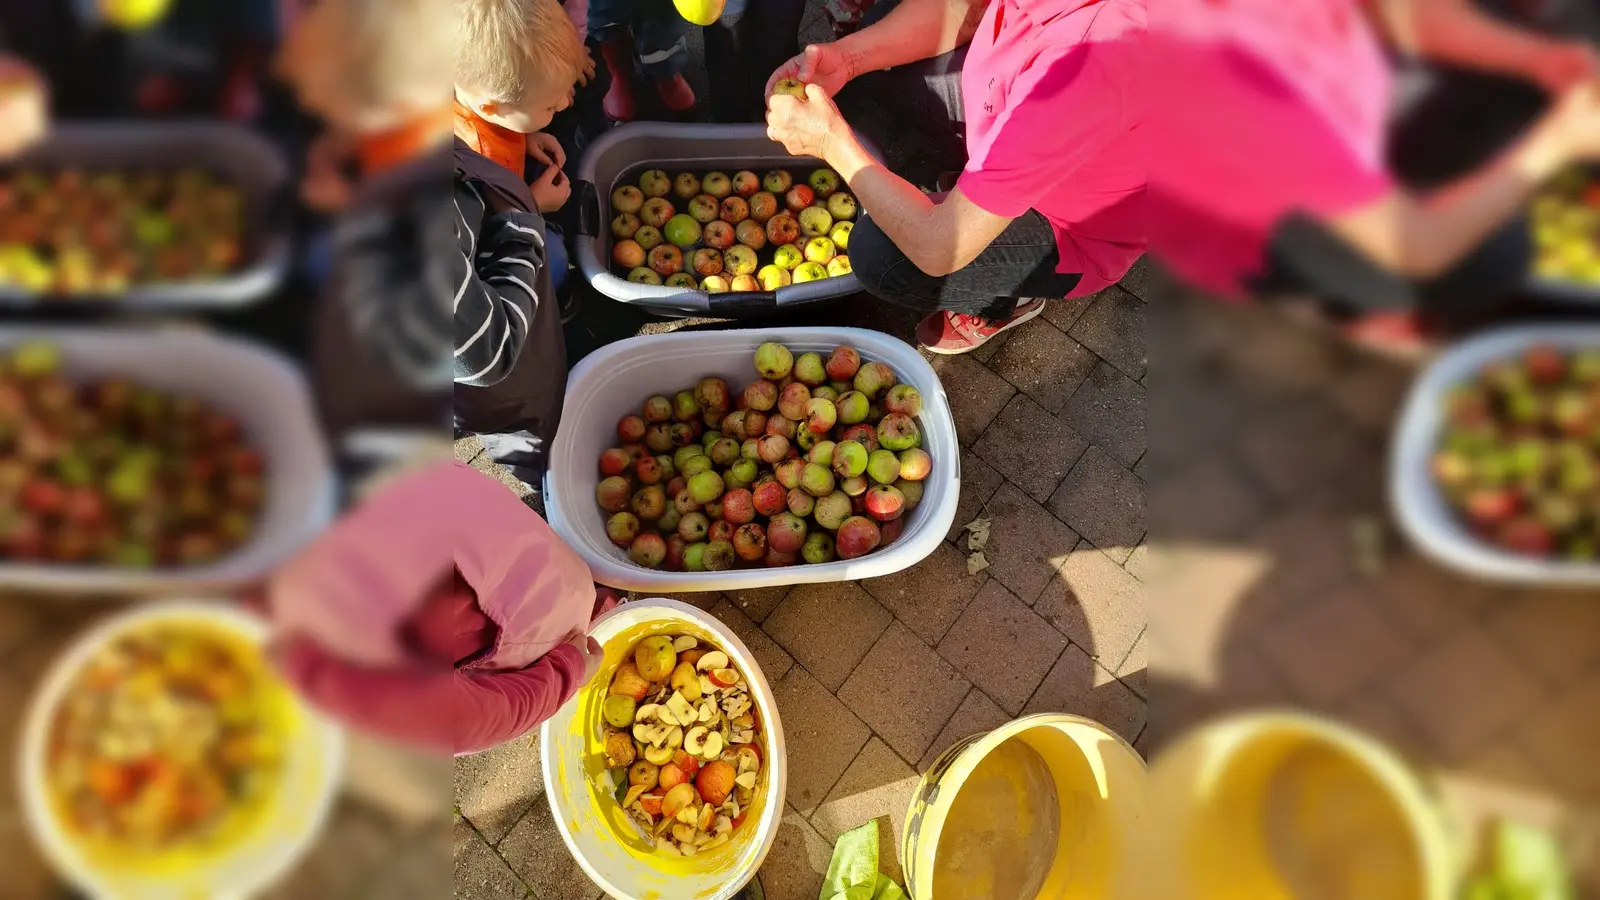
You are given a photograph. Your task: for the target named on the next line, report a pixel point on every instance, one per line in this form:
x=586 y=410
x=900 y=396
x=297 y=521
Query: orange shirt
x=385 y=150
x=495 y=142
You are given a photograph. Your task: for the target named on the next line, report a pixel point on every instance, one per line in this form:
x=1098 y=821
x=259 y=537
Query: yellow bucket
x=1043 y=808
x=601 y=837
x=1286 y=806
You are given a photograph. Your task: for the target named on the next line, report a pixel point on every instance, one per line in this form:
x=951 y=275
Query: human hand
x=586 y=73
x=591 y=651
x=823 y=65
x=24 y=103
x=546 y=149
x=805 y=127
x=550 y=190
x=1574 y=123
x=1560 y=65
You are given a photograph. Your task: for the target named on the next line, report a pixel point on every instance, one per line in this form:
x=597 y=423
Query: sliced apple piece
x=724 y=678
x=685 y=642
x=746 y=780
x=658 y=755
x=707 y=686
x=708 y=711
x=712 y=746
x=743 y=737
x=689 y=815
x=665 y=715
x=683 y=713
x=651 y=803
x=749 y=759
x=688 y=849
x=722 y=824
x=668 y=848
x=716 y=659
x=708 y=815
x=717 y=841
x=682 y=832
x=686 y=681
x=694 y=740
x=676 y=799
x=634 y=793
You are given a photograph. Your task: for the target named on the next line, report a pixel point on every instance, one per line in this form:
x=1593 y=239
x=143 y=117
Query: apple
x=628 y=254
x=750 y=233
x=809 y=271
x=820 y=250
x=719 y=235
x=815 y=221
x=745 y=183
x=717 y=184
x=763 y=206
x=840 y=235
x=839 y=265
x=824 y=182
x=715 y=284
x=783 y=229
x=627 y=199
x=842 y=206
x=686 y=185
x=773 y=277
x=745 y=283
x=734 y=210
x=788 y=257
x=656 y=211
x=642 y=275
x=799 y=197
x=655 y=183
x=648 y=237
x=707 y=261
x=666 y=260
x=681 y=280
x=739 y=260
x=790 y=86
x=682 y=231
x=704 y=208
x=777 y=181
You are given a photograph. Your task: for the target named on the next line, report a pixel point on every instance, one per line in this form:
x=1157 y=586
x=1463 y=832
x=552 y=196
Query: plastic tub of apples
x=776 y=430
x=710 y=219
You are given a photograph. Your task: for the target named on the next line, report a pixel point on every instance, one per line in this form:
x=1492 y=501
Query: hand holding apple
x=823 y=65
x=805 y=127
x=24 y=106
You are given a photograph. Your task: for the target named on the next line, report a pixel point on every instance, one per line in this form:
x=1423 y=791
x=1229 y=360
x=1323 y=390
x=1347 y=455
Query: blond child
x=516 y=64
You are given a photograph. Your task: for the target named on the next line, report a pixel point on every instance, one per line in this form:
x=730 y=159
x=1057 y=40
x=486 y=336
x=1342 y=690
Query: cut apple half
x=683 y=712
x=676 y=799
x=658 y=755
x=708 y=815
x=725 y=678
x=749 y=759
x=694 y=741
x=651 y=803
x=746 y=780
x=712 y=747
x=685 y=642
x=675 y=737
x=634 y=793
x=716 y=659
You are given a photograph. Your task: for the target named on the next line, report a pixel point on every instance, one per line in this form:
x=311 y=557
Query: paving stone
x=501 y=474
x=1429 y=601
x=1374 y=712
x=976 y=394
x=1109 y=409
x=772 y=659
x=758 y=603
x=703 y=600
x=27 y=875
x=1134 y=671
x=977 y=714
x=536 y=853
x=828 y=628
x=14 y=697
x=421 y=868
x=1463 y=691
x=929 y=596
x=1113 y=327
x=904 y=691
x=1140 y=279
x=877 y=786
x=1104 y=502
x=1502 y=783
x=799 y=858
x=823 y=737
x=19 y=621
x=468 y=448
x=1554 y=633
x=353 y=845
x=1333 y=648
x=1296 y=446
x=1311 y=553
x=1079 y=686
x=1026 y=544
x=1561 y=739
x=1003 y=646
x=495 y=788
x=1370 y=393
x=1043 y=363
x=1139 y=564
x=1097 y=604
x=987 y=350
x=1205 y=502
x=1063 y=314
x=1030 y=447
x=979 y=481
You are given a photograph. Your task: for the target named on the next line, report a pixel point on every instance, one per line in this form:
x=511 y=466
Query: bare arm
x=1458 y=31
x=915 y=30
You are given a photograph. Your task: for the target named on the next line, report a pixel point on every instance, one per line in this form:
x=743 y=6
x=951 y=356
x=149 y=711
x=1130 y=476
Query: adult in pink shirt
x=1049 y=203
x=442 y=613
x=1273 y=169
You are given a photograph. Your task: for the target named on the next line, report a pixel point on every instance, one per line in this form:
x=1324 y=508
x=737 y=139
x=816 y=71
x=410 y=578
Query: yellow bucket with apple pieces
x=1043 y=808
x=1288 y=806
x=607 y=844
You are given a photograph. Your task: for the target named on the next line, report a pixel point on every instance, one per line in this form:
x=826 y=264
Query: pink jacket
x=440 y=613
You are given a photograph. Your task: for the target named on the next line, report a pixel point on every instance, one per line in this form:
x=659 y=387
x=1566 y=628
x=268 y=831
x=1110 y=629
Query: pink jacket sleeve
x=439 y=711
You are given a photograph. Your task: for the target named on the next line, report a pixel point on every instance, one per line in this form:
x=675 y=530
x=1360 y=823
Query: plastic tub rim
x=1416 y=502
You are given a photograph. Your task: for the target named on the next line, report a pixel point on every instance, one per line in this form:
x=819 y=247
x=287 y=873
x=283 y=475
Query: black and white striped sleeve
x=500 y=265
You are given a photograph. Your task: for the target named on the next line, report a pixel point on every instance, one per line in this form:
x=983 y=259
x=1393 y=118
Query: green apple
x=839 y=265
x=681 y=280
x=739 y=260
x=683 y=231
x=815 y=221
x=788 y=257
x=842 y=206
x=840 y=235
x=809 y=271
x=773 y=276
x=642 y=275
x=820 y=250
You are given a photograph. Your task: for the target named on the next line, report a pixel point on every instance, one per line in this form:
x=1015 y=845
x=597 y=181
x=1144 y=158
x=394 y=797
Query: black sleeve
x=499 y=261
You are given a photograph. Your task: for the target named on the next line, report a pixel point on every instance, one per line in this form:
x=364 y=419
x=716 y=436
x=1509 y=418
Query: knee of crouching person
x=872 y=257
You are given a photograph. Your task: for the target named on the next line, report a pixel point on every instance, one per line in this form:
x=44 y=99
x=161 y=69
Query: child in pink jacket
x=442 y=613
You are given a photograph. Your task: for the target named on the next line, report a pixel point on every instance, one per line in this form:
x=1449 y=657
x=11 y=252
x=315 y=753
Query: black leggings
x=1020 y=263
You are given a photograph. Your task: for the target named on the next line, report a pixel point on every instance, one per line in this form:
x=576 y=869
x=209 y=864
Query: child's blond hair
x=506 y=47
x=371 y=64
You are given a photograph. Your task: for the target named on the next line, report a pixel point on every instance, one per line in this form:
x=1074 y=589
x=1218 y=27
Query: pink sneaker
x=951 y=333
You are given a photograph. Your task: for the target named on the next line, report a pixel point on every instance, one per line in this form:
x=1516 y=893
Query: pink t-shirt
x=1258 y=109
x=1053 y=125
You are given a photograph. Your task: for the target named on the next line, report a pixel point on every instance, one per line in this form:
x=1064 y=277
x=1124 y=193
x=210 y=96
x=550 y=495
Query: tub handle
x=588 y=208
x=742 y=302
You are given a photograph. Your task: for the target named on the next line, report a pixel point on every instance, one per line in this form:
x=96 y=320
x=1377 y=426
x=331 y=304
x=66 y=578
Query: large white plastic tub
x=614 y=380
x=282 y=834
x=596 y=830
x=268 y=396
x=1422 y=513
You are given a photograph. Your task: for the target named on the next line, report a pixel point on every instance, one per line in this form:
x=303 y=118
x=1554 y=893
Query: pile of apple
x=815 y=460
x=718 y=241
x=682 y=742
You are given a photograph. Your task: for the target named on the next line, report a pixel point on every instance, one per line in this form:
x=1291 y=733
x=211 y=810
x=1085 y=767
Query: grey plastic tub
x=233 y=154
x=1421 y=511
x=621 y=154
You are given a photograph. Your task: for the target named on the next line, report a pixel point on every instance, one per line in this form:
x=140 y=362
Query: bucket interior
x=1042 y=810
x=607 y=843
x=1285 y=813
